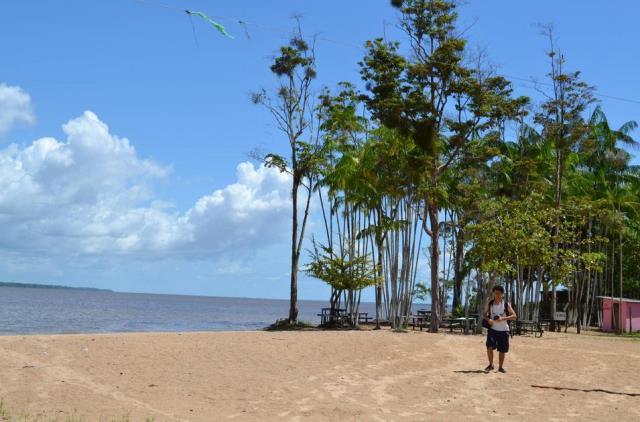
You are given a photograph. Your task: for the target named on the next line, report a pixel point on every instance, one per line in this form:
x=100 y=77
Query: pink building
x=612 y=317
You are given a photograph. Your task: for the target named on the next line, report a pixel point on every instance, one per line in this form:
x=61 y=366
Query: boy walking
x=497 y=312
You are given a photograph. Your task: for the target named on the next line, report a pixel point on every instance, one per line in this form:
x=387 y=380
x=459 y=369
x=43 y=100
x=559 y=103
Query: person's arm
x=512 y=315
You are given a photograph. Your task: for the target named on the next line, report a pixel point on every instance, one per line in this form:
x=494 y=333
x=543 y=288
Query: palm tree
x=613 y=181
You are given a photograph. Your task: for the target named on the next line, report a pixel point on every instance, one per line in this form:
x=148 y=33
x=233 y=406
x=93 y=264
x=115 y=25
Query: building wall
x=633 y=309
x=627 y=307
x=606 y=315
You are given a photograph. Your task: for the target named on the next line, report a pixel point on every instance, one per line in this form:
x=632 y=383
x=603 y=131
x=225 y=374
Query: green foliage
x=422 y=291
x=286 y=325
x=447 y=112
x=276 y=161
x=549 y=202
x=341 y=272
x=458 y=312
x=294 y=56
x=512 y=231
x=631 y=264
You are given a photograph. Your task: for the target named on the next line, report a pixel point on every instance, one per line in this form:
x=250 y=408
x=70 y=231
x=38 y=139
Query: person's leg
x=490 y=367
x=491 y=345
x=503 y=348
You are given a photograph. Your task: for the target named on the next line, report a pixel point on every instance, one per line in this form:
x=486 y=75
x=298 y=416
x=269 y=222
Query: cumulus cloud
x=92 y=194
x=15 y=107
x=253 y=209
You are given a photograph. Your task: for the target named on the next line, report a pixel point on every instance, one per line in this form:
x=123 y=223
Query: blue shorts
x=498 y=340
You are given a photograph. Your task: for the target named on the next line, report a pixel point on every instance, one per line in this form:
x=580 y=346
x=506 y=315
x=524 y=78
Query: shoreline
x=314 y=375
x=595 y=333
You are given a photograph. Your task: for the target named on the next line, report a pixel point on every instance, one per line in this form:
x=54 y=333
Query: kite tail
x=215 y=24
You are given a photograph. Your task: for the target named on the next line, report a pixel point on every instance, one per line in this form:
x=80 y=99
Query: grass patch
x=4 y=412
x=608 y=335
x=285 y=325
x=9 y=415
x=632 y=336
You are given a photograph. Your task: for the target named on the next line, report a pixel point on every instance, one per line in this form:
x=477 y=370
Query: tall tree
x=431 y=97
x=563 y=123
x=292 y=109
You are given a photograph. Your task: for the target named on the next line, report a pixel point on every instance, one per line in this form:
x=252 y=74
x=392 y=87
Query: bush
x=285 y=325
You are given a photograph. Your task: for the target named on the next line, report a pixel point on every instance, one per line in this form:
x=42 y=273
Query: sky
x=125 y=131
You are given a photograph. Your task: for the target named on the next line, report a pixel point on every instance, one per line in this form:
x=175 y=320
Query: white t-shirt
x=497 y=309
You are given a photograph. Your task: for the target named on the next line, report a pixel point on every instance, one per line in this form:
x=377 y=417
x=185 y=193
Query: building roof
x=624 y=299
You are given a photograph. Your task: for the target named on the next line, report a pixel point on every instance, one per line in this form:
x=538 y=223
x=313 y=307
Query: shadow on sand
x=588 y=390
x=471 y=371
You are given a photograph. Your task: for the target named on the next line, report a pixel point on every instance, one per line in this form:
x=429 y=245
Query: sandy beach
x=351 y=375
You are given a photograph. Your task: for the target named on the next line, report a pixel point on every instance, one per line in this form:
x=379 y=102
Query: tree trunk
x=379 y=282
x=459 y=259
x=528 y=314
x=435 y=260
x=584 y=313
x=556 y=229
x=621 y=322
x=466 y=304
x=535 y=295
x=293 y=304
x=613 y=264
x=545 y=292
x=520 y=289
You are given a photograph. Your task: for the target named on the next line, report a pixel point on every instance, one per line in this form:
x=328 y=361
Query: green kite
x=215 y=24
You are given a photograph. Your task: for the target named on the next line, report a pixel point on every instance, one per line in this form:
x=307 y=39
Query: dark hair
x=500 y=288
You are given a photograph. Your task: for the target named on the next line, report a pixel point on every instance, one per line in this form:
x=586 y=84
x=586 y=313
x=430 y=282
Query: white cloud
x=15 y=107
x=91 y=194
x=251 y=211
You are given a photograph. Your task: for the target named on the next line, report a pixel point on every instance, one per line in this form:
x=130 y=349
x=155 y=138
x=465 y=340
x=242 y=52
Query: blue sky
x=184 y=108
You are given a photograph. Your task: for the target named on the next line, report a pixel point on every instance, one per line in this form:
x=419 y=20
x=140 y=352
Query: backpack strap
x=506 y=308
x=489 y=310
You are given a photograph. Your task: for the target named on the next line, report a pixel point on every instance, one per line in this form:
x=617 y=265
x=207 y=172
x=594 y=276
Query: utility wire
x=160 y=4
x=245 y=24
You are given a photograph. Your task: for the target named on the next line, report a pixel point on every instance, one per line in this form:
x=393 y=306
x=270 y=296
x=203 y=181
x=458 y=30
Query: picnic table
x=419 y=321
x=363 y=317
x=546 y=324
x=341 y=316
x=452 y=323
x=329 y=315
x=524 y=327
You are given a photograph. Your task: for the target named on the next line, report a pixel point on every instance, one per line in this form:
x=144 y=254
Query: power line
x=245 y=24
x=530 y=80
x=160 y=4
